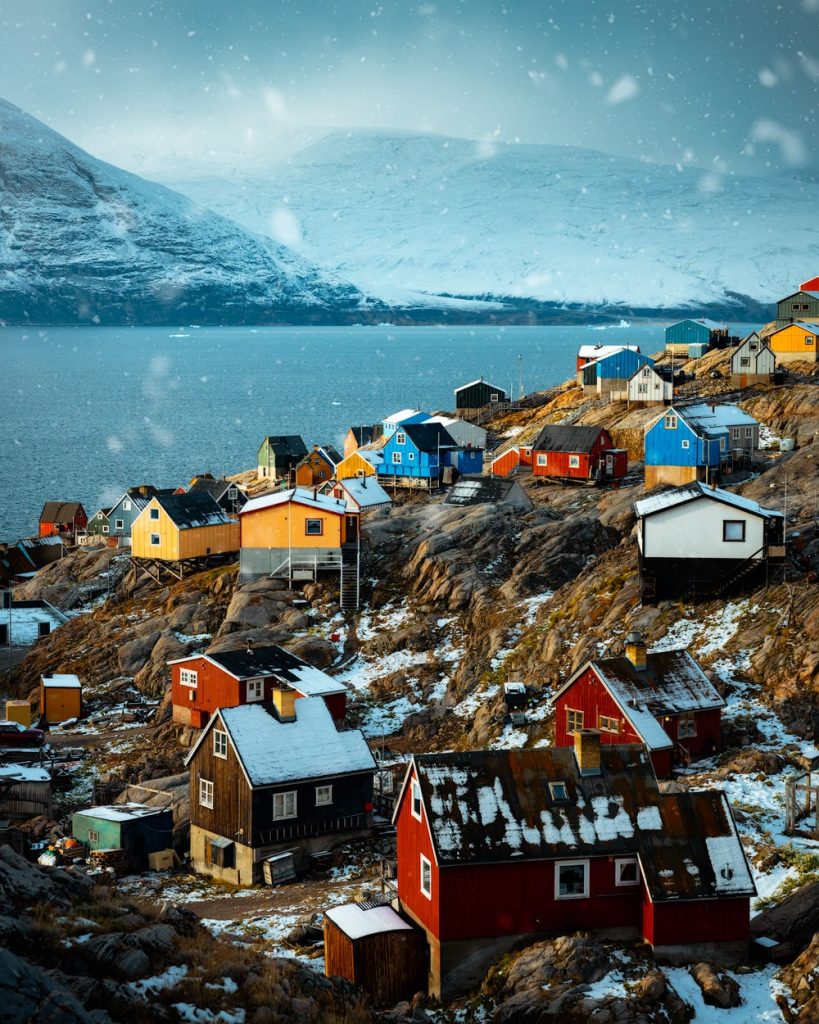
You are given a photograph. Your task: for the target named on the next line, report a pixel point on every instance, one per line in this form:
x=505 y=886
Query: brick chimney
x=284 y=700
x=636 y=650
x=587 y=751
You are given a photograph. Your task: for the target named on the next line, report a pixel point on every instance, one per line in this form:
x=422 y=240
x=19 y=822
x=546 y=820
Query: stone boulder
x=717 y=989
x=29 y=993
x=133 y=655
x=800 y=977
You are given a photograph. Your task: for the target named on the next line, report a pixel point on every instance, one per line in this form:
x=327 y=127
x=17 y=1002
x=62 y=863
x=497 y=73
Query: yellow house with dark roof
x=176 y=527
x=797 y=342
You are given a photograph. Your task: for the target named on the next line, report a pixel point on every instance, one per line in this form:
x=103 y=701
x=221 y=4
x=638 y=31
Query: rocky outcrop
x=800 y=977
x=717 y=989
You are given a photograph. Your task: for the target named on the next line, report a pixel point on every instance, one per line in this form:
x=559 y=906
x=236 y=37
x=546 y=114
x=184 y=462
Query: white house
x=467 y=435
x=647 y=387
x=752 y=361
x=704 y=539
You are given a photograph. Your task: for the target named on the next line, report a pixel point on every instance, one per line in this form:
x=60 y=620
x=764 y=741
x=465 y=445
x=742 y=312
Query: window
x=685 y=445
x=400 y=437
x=219 y=743
x=808 y=339
x=222 y=853
x=191 y=695
x=119 y=524
x=324 y=796
x=154 y=513
x=187 y=677
x=542 y=459
x=558 y=791
x=156 y=540
x=733 y=531
x=626 y=871
x=205 y=793
x=795 y=307
x=314 y=527
x=321 y=474
x=571 y=879
x=284 y=805
x=606 y=724
x=722 y=444
x=574 y=462
x=735 y=433
x=574 y=720
x=410 y=456
x=126 y=506
x=93 y=836
x=646 y=371
x=233 y=494
x=105 y=529
x=670 y=422
x=494 y=397
x=642 y=389
x=255 y=689
x=43 y=628
x=745 y=361
x=426 y=877
x=749 y=432
x=686 y=725
x=416 y=800
x=396 y=458
x=806 y=306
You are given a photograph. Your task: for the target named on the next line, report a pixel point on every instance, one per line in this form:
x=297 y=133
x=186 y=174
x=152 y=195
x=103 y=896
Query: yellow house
x=798 y=342
x=294 y=533
x=317 y=467
x=362 y=462
x=60 y=698
x=176 y=527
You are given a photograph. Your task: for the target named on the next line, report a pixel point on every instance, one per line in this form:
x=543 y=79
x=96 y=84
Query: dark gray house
x=228 y=495
x=278 y=455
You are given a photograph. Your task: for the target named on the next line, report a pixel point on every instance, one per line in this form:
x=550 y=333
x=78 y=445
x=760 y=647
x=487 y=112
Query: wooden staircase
x=350 y=571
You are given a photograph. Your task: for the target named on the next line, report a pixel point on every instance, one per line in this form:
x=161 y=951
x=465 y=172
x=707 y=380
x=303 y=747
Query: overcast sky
x=680 y=81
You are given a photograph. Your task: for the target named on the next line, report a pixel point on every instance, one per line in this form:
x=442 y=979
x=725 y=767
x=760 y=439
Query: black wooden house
x=271 y=777
x=478 y=394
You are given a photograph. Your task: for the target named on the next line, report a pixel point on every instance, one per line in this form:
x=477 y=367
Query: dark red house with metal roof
x=63 y=518
x=662 y=699
x=577 y=453
x=202 y=683
x=498 y=847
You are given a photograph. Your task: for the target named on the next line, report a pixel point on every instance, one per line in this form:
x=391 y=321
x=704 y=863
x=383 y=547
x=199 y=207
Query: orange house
x=317 y=467
x=363 y=462
x=294 y=533
x=798 y=342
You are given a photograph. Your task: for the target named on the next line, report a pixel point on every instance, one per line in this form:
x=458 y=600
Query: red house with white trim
x=577 y=453
x=507 y=462
x=662 y=699
x=498 y=847
x=202 y=683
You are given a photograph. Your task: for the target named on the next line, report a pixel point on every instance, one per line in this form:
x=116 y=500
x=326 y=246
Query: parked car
x=15 y=734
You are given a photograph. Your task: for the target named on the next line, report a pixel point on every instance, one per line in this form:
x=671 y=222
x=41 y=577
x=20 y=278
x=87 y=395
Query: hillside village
x=501 y=712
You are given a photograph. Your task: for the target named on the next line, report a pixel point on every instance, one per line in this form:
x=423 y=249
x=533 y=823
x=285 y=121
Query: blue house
x=468 y=461
x=681 y=446
x=416 y=454
x=613 y=372
x=401 y=418
x=130 y=505
x=692 y=332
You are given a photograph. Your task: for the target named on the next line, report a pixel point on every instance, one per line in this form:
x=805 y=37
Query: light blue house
x=613 y=372
x=681 y=446
x=416 y=455
x=402 y=418
x=692 y=332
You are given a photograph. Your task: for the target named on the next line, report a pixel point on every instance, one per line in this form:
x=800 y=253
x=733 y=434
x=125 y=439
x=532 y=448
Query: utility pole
x=521 y=392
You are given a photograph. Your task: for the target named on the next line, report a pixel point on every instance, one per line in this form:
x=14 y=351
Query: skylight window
x=558 y=791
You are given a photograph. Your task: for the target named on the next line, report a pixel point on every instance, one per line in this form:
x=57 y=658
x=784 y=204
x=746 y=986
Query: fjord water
x=90 y=411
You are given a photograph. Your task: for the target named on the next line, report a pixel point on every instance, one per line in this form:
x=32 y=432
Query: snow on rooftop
x=697 y=489
x=300 y=496
x=62 y=681
x=310 y=747
x=366 y=492
x=312 y=682
x=601 y=351
x=356 y=922
x=121 y=812
x=728 y=863
x=23 y=773
x=716 y=415
x=24 y=623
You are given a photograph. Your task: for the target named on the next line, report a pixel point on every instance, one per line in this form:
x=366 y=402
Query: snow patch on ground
x=758 y=990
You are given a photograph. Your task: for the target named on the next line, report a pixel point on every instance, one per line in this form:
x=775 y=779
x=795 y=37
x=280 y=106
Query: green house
x=135 y=828
x=99 y=524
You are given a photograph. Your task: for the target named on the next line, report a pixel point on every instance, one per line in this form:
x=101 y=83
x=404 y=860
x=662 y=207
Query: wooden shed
x=25 y=791
x=60 y=698
x=137 y=829
x=377 y=949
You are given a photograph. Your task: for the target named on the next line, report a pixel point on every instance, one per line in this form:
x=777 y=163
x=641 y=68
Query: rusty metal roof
x=671 y=683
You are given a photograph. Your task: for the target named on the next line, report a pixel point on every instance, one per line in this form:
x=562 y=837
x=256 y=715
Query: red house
x=810 y=286
x=498 y=847
x=62 y=518
x=662 y=699
x=577 y=453
x=507 y=462
x=224 y=679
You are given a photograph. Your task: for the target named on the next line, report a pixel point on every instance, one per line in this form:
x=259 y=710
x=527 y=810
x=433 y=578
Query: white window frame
x=324 y=796
x=220 y=744
x=572 y=864
x=396 y=458
x=808 y=339
x=749 y=432
x=205 y=793
x=558 y=791
x=119 y=524
x=426 y=870
x=642 y=389
x=744 y=360
x=574 y=711
x=574 y=462
x=288 y=798
x=188 y=677
x=232 y=493
x=156 y=540
x=254 y=690
x=154 y=513
x=105 y=529
x=410 y=456
x=543 y=458
x=126 y=505
x=686 y=726
x=415 y=795
x=670 y=422
x=607 y=728
x=400 y=437
x=685 y=444
x=735 y=433
x=619 y=864
x=494 y=396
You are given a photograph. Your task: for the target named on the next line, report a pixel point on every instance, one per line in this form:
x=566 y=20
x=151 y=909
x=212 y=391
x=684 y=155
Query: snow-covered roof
x=311 y=747
x=298 y=495
x=600 y=351
x=271 y=660
x=366 y=492
x=357 y=922
x=371 y=455
x=23 y=773
x=694 y=491
x=803 y=325
x=402 y=414
x=719 y=416
x=121 y=812
x=480 y=380
x=62 y=681
x=24 y=618
x=712 y=325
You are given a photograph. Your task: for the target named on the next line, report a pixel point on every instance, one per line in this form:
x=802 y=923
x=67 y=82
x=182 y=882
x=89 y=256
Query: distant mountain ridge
x=408 y=217
x=82 y=241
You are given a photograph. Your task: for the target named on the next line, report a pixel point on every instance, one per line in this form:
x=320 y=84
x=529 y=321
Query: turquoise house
x=135 y=828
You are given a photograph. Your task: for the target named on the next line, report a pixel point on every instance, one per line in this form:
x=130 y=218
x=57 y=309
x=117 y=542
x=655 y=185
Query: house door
x=351 y=529
x=609 y=465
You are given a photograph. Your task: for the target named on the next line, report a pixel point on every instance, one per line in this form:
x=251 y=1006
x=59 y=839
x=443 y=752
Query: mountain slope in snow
x=398 y=213
x=82 y=241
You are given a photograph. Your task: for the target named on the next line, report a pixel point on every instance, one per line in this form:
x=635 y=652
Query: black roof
x=429 y=437
x=61 y=512
x=478 y=490
x=287 y=445
x=367 y=434
x=216 y=488
x=556 y=438
x=194 y=508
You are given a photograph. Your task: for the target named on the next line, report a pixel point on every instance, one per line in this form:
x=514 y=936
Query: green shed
x=135 y=828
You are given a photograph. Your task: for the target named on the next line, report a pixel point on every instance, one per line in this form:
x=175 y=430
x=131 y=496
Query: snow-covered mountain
x=83 y=241
x=400 y=213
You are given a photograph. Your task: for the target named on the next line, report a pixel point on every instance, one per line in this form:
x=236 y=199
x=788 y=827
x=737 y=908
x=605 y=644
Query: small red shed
x=577 y=453
x=62 y=518
x=202 y=683
x=496 y=847
x=662 y=699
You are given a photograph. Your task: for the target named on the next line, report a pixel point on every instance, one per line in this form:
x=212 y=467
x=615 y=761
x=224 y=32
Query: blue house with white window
x=402 y=418
x=684 y=445
x=417 y=453
x=613 y=372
